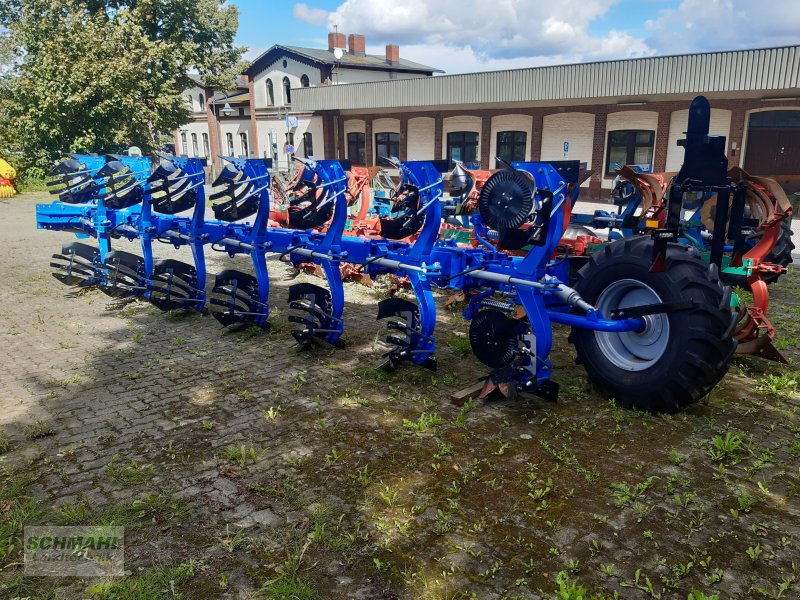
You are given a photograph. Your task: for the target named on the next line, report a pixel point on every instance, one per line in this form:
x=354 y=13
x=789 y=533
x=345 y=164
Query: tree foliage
x=99 y=75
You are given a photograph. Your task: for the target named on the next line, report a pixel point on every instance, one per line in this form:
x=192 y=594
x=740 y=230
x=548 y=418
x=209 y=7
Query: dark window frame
x=270 y=93
x=513 y=150
x=308 y=144
x=468 y=150
x=304 y=81
x=387 y=144
x=287 y=90
x=357 y=148
x=631 y=144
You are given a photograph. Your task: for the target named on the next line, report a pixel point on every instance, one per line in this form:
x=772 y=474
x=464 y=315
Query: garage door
x=773 y=143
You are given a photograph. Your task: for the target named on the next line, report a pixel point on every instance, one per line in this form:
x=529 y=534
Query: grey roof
x=730 y=71
x=323 y=56
x=361 y=61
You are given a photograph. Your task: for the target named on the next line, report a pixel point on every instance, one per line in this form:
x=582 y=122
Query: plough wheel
x=680 y=356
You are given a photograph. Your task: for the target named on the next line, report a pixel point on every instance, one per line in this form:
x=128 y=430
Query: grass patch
x=128 y=472
x=39 y=430
x=16 y=510
x=6 y=444
x=162 y=581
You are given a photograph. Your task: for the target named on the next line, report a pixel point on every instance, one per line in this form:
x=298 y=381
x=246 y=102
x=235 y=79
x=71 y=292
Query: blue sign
x=288 y=149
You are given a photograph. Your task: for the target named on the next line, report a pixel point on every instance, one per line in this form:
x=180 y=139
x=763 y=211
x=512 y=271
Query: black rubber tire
x=700 y=345
x=781 y=255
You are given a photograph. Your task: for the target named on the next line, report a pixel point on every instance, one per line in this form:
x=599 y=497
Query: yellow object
x=6 y=191
x=6 y=170
x=651 y=224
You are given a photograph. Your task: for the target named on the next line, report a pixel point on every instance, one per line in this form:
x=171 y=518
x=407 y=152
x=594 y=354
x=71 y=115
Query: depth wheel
x=678 y=357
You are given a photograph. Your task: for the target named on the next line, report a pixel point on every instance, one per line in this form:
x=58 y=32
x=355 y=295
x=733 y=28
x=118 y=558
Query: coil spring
x=498 y=304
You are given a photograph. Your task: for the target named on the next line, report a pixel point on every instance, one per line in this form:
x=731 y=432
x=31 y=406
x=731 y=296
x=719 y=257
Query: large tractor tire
x=680 y=356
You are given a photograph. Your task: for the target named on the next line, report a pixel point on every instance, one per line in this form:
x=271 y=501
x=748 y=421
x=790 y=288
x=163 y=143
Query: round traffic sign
x=288 y=149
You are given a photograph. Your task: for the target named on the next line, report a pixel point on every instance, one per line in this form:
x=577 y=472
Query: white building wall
x=235 y=128
x=510 y=123
x=679 y=121
x=577 y=128
x=294 y=70
x=421 y=138
x=462 y=123
x=312 y=125
x=192 y=96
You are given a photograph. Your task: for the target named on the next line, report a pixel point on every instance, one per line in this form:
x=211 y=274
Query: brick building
x=604 y=114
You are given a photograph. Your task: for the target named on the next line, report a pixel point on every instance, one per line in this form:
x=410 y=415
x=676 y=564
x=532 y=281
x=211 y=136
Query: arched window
x=202 y=100
x=287 y=90
x=184 y=145
x=195 y=151
x=304 y=81
x=206 y=148
x=189 y=102
x=270 y=93
x=387 y=145
x=229 y=140
x=243 y=141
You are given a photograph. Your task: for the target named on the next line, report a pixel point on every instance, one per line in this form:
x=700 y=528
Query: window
x=304 y=81
x=287 y=90
x=243 y=141
x=270 y=93
x=195 y=151
x=308 y=145
x=201 y=99
x=463 y=146
x=387 y=145
x=206 y=148
x=511 y=145
x=629 y=147
x=356 y=148
x=229 y=140
x=290 y=138
x=189 y=102
x=184 y=145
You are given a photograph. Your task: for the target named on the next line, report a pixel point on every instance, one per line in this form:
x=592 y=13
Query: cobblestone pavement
x=255 y=463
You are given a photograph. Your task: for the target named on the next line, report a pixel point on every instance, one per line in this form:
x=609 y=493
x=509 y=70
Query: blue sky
x=473 y=35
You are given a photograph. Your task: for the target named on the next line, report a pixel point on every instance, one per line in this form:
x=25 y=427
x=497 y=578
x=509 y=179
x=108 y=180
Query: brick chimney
x=392 y=54
x=336 y=40
x=357 y=44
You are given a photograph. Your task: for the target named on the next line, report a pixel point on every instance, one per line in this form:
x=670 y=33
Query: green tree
x=98 y=75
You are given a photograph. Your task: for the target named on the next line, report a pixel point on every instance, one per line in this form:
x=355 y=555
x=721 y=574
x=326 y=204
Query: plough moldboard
x=651 y=321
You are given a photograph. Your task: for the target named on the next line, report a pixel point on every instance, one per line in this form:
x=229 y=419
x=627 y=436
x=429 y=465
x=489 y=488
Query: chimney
x=392 y=54
x=357 y=44
x=336 y=40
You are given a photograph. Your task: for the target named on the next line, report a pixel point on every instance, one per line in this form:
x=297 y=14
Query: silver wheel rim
x=633 y=350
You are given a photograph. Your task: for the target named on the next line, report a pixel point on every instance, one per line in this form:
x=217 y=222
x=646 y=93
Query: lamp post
x=226 y=111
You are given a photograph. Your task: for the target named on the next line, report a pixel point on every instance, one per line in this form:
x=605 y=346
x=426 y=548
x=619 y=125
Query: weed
x=39 y=430
x=6 y=444
x=240 y=454
x=425 y=422
x=778 y=385
x=128 y=472
x=726 y=447
x=624 y=494
x=152 y=583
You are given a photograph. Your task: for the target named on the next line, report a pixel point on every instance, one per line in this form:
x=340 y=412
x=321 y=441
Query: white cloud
x=501 y=30
x=703 y=25
x=314 y=16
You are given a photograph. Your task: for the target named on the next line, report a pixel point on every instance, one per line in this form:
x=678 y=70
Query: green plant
x=725 y=447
